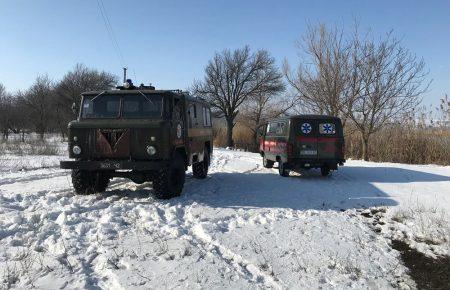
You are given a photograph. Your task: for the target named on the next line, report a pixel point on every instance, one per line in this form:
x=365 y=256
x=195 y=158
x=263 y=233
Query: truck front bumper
x=115 y=165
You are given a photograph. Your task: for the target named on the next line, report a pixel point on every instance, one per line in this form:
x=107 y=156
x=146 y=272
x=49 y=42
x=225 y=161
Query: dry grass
x=242 y=136
x=430 y=223
x=404 y=144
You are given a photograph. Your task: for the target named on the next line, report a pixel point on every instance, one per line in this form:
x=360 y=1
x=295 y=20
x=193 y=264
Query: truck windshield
x=125 y=106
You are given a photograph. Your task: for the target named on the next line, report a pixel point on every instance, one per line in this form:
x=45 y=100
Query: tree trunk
x=62 y=132
x=41 y=136
x=365 y=147
x=230 y=126
x=255 y=141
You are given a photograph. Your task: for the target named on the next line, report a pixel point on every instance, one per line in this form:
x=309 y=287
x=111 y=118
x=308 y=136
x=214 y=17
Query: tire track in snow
x=199 y=238
x=240 y=264
x=32 y=178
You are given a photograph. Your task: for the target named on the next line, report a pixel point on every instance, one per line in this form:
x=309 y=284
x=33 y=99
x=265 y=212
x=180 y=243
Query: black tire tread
x=267 y=163
x=282 y=170
x=325 y=171
x=163 y=187
x=85 y=182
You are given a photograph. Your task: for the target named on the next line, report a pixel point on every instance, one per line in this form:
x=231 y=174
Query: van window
x=327 y=129
x=276 y=128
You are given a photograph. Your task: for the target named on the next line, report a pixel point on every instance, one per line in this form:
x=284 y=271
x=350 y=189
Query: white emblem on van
x=306 y=128
x=327 y=128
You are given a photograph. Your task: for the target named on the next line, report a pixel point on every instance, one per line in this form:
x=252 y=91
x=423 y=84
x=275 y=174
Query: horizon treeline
x=374 y=84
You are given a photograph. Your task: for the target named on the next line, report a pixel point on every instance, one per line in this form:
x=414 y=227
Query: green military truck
x=302 y=142
x=142 y=134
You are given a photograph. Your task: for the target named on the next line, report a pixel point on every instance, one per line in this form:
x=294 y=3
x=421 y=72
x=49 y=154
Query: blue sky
x=168 y=43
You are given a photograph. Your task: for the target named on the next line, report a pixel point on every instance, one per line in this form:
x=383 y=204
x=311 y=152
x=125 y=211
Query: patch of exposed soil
x=428 y=273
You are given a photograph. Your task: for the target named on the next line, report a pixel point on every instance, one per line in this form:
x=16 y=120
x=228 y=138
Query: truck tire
x=88 y=182
x=267 y=163
x=282 y=169
x=169 y=183
x=200 y=169
x=325 y=170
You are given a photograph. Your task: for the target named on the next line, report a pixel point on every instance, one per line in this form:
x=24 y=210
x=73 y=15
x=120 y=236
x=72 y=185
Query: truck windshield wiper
x=146 y=97
x=97 y=96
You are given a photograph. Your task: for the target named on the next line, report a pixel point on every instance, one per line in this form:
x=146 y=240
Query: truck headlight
x=76 y=150
x=151 y=150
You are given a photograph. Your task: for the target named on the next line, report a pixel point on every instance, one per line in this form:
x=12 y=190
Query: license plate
x=308 y=152
x=110 y=165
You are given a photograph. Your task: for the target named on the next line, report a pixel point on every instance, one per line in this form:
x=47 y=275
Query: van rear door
x=329 y=139
x=305 y=145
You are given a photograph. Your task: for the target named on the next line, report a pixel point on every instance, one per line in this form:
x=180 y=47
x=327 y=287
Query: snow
x=242 y=227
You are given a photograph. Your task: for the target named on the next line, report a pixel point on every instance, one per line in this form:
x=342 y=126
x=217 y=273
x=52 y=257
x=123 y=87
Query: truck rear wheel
x=200 y=169
x=89 y=182
x=267 y=163
x=282 y=169
x=169 y=183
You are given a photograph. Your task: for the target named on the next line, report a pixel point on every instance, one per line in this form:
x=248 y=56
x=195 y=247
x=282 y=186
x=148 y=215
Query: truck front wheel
x=169 y=183
x=89 y=182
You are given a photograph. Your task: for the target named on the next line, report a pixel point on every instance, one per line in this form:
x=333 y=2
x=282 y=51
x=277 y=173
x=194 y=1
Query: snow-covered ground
x=242 y=227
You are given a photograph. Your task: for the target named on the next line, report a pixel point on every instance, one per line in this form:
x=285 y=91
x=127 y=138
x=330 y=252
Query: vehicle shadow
x=350 y=187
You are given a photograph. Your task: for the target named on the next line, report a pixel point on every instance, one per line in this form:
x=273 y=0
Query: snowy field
x=242 y=227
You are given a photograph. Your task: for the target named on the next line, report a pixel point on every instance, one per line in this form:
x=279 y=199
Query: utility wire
x=110 y=31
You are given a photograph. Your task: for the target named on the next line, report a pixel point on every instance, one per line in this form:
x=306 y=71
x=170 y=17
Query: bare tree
x=69 y=89
x=232 y=77
x=321 y=80
x=37 y=100
x=257 y=109
x=392 y=81
x=368 y=82
x=5 y=111
x=13 y=116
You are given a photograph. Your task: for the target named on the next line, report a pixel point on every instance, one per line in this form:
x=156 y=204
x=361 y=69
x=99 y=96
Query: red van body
x=303 y=142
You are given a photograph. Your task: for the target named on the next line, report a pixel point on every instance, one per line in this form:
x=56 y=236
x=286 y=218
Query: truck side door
x=193 y=122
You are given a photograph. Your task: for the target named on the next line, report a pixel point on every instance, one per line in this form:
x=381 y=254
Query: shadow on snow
x=350 y=187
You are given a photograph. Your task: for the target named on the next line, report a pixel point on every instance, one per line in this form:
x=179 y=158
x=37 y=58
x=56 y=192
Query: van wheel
x=267 y=163
x=325 y=170
x=89 y=182
x=200 y=169
x=169 y=183
x=282 y=169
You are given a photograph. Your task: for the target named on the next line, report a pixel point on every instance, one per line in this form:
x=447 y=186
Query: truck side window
x=192 y=115
x=206 y=117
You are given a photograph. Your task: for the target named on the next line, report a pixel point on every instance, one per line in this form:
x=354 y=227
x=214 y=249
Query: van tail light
x=290 y=149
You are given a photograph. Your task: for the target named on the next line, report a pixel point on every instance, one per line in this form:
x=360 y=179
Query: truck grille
x=112 y=135
x=113 y=142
